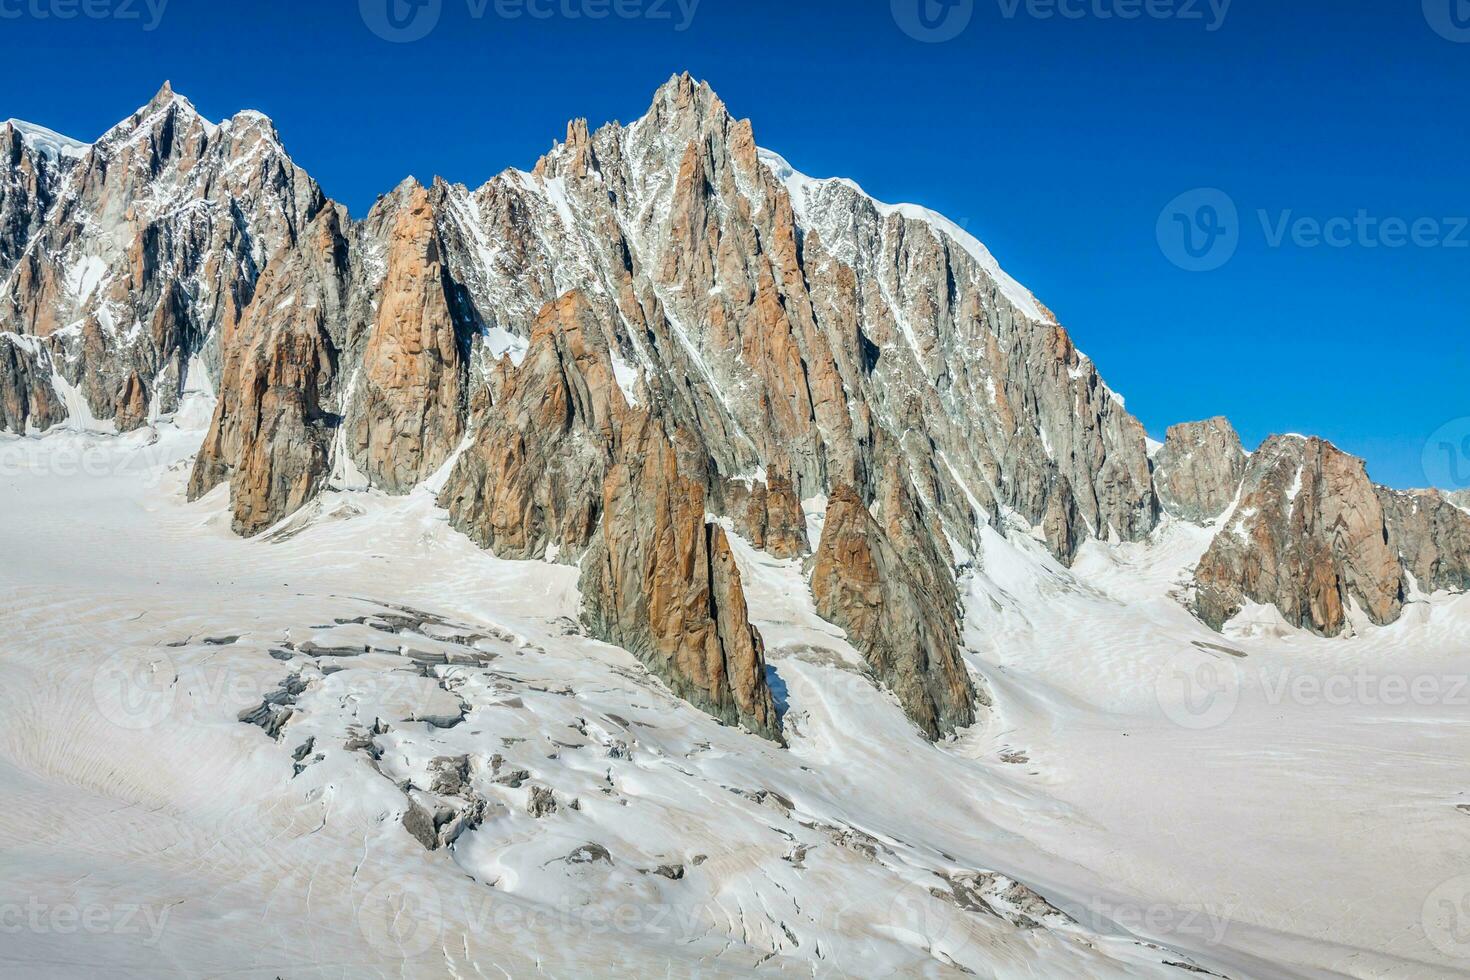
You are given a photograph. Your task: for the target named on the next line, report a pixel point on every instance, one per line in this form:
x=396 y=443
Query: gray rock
x=1198 y=472
x=1308 y=536
x=1431 y=537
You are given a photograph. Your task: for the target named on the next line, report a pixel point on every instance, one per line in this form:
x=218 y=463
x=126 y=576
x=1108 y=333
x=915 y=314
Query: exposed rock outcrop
x=406 y=415
x=131 y=409
x=270 y=435
x=897 y=606
x=1198 y=472
x=530 y=483
x=1431 y=536
x=661 y=582
x=1309 y=537
x=27 y=398
x=767 y=512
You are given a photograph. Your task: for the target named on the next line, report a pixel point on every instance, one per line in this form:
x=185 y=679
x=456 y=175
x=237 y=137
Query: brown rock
x=1307 y=536
x=662 y=583
x=1198 y=472
x=897 y=612
x=768 y=513
x=27 y=397
x=532 y=478
x=132 y=404
x=1431 y=536
x=407 y=413
x=270 y=435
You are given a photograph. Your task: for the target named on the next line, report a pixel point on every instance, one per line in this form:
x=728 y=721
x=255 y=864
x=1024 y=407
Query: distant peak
x=683 y=94
x=165 y=98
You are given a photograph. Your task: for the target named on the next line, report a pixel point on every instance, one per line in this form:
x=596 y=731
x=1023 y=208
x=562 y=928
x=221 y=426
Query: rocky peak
x=164 y=223
x=1198 y=471
x=407 y=411
x=1308 y=536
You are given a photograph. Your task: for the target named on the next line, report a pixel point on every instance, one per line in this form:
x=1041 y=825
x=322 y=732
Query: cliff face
x=898 y=607
x=1431 y=537
x=661 y=582
x=530 y=483
x=407 y=412
x=150 y=242
x=271 y=432
x=1199 y=470
x=1309 y=536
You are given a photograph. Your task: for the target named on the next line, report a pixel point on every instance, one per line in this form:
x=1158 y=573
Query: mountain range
x=660 y=336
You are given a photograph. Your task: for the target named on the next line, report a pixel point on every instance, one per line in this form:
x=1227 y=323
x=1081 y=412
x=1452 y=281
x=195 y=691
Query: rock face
x=407 y=411
x=899 y=609
x=563 y=467
x=1308 y=536
x=1199 y=471
x=128 y=256
x=27 y=398
x=31 y=172
x=530 y=484
x=1431 y=537
x=765 y=510
x=661 y=582
x=270 y=435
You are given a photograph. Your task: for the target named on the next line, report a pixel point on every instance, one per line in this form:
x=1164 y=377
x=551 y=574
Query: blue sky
x=1059 y=140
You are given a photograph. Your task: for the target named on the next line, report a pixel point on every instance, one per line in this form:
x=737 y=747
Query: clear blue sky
x=1057 y=141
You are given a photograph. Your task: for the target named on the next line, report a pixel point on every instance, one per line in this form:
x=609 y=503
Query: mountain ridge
x=668 y=293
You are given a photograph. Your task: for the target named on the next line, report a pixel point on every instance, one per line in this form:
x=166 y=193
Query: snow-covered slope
x=236 y=755
x=48 y=142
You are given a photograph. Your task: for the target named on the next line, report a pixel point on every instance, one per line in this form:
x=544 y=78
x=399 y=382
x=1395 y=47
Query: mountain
x=142 y=248
x=660 y=562
x=660 y=335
